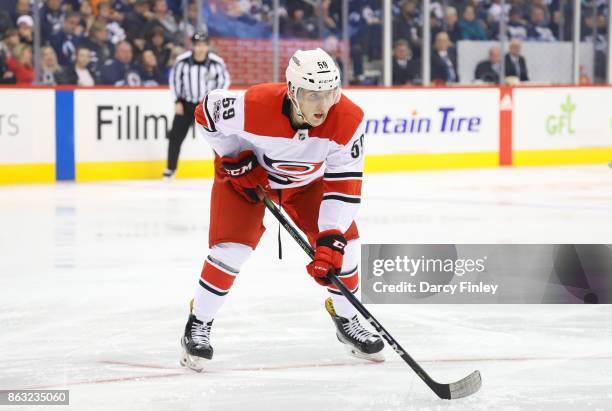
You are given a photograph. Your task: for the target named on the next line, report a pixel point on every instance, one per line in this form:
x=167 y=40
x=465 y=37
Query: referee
x=192 y=77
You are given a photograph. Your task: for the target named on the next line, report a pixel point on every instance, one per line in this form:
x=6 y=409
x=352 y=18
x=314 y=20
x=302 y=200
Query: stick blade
x=466 y=386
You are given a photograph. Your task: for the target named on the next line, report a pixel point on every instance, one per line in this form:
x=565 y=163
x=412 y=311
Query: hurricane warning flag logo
x=293 y=171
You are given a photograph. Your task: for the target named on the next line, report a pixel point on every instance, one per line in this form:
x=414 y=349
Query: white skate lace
x=354 y=329
x=200 y=333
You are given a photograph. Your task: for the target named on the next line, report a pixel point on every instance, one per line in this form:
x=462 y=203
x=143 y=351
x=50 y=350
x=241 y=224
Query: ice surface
x=95 y=280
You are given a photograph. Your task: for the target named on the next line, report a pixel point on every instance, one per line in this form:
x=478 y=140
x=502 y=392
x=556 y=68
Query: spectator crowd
x=135 y=42
x=479 y=20
x=450 y=20
x=89 y=42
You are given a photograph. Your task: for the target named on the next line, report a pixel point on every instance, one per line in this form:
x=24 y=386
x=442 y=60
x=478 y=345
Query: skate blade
x=192 y=362
x=375 y=357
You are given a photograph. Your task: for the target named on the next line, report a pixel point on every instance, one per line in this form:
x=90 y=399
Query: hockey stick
x=462 y=388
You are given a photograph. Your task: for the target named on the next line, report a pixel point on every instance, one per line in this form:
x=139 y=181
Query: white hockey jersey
x=258 y=120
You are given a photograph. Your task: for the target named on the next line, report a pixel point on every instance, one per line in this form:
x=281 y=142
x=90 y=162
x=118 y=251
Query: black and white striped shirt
x=191 y=80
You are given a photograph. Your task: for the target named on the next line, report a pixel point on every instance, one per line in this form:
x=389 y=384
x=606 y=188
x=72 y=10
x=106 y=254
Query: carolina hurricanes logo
x=293 y=171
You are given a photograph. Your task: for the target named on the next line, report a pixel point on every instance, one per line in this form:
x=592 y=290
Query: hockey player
x=302 y=144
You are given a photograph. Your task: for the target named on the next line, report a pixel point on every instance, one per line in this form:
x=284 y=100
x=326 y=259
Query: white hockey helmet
x=311 y=70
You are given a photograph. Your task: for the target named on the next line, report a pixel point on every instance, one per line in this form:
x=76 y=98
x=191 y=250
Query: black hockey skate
x=196 y=343
x=361 y=342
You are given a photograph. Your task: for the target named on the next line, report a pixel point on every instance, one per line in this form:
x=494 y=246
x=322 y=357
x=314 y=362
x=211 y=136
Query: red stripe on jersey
x=350 y=281
x=216 y=277
x=349 y=187
x=199 y=115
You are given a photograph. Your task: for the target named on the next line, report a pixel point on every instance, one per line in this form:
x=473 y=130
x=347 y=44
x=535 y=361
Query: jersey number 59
x=228 y=111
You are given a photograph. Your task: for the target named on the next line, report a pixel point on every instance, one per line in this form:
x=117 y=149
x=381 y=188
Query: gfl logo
x=562 y=123
x=8 y=125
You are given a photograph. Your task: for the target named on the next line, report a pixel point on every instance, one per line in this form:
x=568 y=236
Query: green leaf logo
x=568 y=107
x=562 y=123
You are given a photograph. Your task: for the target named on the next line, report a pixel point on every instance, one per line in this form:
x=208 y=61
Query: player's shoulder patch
x=221 y=110
x=342 y=121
